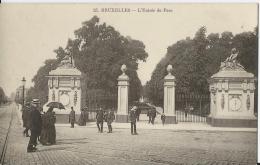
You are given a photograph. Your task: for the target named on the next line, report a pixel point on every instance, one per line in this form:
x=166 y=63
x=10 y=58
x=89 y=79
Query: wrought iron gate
x=96 y=99
x=192 y=107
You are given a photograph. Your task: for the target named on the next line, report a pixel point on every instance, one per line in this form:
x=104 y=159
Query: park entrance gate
x=192 y=107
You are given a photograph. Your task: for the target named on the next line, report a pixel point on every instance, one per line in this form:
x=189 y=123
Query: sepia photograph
x=129 y=83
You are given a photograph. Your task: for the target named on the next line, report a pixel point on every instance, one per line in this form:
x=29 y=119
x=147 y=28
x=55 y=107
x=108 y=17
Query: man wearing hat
x=35 y=125
x=132 y=117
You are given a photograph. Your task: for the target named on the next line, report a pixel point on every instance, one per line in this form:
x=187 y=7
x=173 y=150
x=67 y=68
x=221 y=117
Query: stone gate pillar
x=122 y=106
x=169 y=97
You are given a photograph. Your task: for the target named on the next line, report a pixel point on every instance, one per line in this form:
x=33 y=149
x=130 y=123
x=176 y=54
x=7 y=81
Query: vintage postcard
x=128 y=83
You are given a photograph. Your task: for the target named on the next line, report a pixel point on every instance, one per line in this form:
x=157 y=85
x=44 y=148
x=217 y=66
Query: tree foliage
x=195 y=60
x=3 y=97
x=99 y=52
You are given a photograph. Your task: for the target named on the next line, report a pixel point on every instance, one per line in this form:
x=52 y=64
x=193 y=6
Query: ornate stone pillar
x=122 y=106
x=169 y=97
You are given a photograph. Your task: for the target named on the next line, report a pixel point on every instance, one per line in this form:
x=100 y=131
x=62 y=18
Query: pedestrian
x=110 y=119
x=25 y=116
x=82 y=119
x=48 y=133
x=35 y=126
x=153 y=115
x=86 y=116
x=149 y=115
x=163 y=118
x=40 y=109
x=132 y=117
x=100 y=120
x=138 y=112
x=72 y=117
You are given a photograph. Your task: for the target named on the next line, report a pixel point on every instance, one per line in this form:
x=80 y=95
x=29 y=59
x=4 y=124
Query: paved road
x=83 y=145
x=5 y=117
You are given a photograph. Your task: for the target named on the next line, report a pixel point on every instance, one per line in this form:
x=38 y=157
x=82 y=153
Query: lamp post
x=23 y=83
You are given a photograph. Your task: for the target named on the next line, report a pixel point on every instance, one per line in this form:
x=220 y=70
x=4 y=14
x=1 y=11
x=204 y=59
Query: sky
x=30 y=32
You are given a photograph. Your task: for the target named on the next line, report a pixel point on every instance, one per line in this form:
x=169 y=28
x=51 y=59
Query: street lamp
x=23 y=83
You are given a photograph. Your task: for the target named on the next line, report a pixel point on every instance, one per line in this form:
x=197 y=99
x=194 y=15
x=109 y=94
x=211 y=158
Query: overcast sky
x=30 y=33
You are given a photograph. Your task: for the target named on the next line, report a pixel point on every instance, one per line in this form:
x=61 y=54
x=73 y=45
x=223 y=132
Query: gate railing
x=192 y=107
x=96 y=100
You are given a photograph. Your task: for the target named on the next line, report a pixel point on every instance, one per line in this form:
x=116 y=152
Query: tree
x=195 y=60
x=3 y=97
x=99 y=52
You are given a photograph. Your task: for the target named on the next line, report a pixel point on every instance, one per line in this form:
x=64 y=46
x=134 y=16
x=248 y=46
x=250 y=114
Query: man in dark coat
x=153 y=115
x=35 y=126
x=25 y=116
x=138 y=112
x=100 y=120
x=72 y=117
x=149 y=115
x=110 y=119
x=132 y=118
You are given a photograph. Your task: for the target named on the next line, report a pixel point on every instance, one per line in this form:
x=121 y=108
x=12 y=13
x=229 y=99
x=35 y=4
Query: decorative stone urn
x=232 y=95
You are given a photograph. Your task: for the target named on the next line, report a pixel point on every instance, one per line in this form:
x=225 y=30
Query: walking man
x=100 y=120
x=110 y=119
x=153 y=115
x=149 y=115
x=35 y=126
x=132 y=117
x=72 y=117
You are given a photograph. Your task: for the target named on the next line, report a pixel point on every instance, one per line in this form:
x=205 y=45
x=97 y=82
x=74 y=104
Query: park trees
x=195 y=60
x=98 y=51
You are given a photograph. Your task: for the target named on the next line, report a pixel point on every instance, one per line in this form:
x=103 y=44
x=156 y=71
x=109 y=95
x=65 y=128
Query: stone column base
x=121 y=118
x=170 y=120
x=249 y=123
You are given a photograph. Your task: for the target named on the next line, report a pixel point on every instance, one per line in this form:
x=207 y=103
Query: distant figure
x=186 y=110
x=110 y=119
x=132 y=117
x=100 y=120
x=149 y=115
x=25 y=116
x=48 y=133
x=82 y=118
x=35 y=126
x=72 y=117
x=153 y=115
x=163 y=118
x=138 y=112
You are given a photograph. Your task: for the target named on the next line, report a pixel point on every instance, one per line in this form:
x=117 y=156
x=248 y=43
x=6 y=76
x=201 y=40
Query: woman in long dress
x=48 y=132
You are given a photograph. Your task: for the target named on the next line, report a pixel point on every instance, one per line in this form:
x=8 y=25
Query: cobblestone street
x=83 y=145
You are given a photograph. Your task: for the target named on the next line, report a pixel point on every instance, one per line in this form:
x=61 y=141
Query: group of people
x=107 y=116
x=82 y=118
x=151 y=113
x=101 y=117
x=41 y=125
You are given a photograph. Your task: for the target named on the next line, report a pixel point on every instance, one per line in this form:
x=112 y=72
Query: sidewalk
x=181 y=126
x=174 y=127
